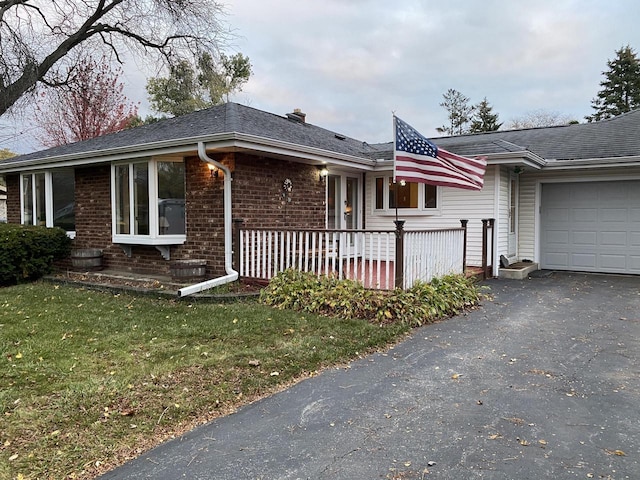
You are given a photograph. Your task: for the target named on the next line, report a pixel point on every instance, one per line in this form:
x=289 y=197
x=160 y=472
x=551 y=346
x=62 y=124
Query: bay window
x=408 y=196
x=148 y=199
x=48 y=199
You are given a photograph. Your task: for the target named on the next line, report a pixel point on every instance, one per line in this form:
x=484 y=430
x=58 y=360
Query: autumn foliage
x=90 y=104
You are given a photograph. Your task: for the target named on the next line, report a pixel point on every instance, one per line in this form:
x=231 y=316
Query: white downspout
x=231 y=275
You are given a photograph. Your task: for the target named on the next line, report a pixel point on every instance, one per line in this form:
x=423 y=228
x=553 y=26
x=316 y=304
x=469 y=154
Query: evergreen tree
x=483 y=120
x=459 y=112
x=620 y=90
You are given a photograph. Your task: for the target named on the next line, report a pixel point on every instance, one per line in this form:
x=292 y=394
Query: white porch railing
x=366 y=256
x=377 y=259
x=432 y=253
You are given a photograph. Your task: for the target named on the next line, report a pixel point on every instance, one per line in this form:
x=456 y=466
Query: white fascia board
x=524 y=158
x=610 y=162
x=312 y=154
x=189 y=146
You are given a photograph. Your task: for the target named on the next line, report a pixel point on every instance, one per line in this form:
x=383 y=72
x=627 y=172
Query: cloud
x=350 y=64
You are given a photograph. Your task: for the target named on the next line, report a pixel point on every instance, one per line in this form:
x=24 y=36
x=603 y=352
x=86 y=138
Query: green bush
x=423 y=303
x=28 y=252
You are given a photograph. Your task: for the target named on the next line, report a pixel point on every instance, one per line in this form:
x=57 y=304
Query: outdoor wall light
x=323 y=172
x=213 y=170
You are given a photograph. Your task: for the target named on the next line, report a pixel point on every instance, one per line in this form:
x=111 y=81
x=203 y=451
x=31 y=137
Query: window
x=48 y=199
x=404 y=195
x=149 y=202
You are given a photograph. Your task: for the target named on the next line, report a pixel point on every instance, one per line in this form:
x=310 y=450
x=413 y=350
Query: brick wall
x=93 y=225
x=257 y=194
x=257 y=198
x=13 y=198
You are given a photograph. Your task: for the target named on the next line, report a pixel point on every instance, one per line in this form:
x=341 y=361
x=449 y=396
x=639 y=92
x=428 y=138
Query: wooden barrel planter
x=86 y=259
x=193 y=270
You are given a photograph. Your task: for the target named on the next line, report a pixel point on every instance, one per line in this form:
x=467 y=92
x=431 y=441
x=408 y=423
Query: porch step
x=518 y=271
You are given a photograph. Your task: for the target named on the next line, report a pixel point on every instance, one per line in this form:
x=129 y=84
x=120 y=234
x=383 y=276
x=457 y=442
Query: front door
x=513 y=216
x=343 y=202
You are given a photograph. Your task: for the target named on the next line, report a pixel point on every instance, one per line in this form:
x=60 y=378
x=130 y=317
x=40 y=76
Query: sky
x=351 y=64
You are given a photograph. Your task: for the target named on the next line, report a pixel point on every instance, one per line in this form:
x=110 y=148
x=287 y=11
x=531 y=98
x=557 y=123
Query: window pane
x=334 y=198
x=63 y=184
x=41 y=211
x=403 y=196
x=122 y=199
x=141 y=198
x=379 y=193
x=171 y=198
x=27 y=200
x=430 y=200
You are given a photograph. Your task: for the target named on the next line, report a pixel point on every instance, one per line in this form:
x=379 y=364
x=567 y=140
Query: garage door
x=591 y=227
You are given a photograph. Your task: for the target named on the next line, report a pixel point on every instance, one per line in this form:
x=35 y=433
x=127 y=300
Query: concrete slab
x=542 y=382
x=517 y=271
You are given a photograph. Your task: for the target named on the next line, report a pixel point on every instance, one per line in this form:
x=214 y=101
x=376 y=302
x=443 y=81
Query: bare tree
x=36 y=36
x=89 y=105
x=539 y=118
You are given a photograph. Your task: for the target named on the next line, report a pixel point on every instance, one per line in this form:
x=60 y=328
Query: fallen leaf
x=619 y=453
x=254 y=363
x=522 y=442
x=456 y=376
x=494 y=436
x=19 y=355
x=13 y=457
x=542 y=442
x=274 y=374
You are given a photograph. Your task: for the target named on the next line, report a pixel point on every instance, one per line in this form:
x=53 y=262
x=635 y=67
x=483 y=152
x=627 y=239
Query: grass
x=90 y=379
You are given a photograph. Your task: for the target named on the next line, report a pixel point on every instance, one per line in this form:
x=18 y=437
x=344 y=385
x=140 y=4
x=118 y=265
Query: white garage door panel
x=591 y=226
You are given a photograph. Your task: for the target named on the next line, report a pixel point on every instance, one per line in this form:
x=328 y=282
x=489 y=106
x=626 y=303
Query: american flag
x=416 y=159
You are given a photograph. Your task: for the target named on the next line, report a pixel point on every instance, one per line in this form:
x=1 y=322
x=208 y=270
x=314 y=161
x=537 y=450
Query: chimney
x=297 y=115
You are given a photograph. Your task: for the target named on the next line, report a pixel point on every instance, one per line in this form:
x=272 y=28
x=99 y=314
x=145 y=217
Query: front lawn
x=90 y=380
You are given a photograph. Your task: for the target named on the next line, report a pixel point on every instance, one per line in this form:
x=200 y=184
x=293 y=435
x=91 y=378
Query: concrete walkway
x=542 y=382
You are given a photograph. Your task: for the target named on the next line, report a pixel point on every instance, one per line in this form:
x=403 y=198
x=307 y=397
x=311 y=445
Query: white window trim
x=154 y=237
x=48 y=199
x=409 y=212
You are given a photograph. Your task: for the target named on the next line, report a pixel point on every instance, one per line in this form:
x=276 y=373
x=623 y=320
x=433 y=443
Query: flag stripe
x=408 y=164
x=417 y=159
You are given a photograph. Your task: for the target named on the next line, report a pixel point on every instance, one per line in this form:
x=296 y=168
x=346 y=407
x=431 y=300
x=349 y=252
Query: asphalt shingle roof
x=226 y=118
x=615 y=137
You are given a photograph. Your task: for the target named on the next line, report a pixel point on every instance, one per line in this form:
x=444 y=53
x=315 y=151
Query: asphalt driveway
x=541 y=382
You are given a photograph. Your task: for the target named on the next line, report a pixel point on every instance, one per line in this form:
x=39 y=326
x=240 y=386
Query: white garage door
x=591 y=227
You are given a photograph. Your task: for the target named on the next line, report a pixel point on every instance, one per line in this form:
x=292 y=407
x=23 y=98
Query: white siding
x=530 y=188
x=502 y=217
x=526 y=218
x=455 y=204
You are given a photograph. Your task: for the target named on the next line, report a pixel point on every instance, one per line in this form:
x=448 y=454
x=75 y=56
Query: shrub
x=28 y=252
x=423 y=303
